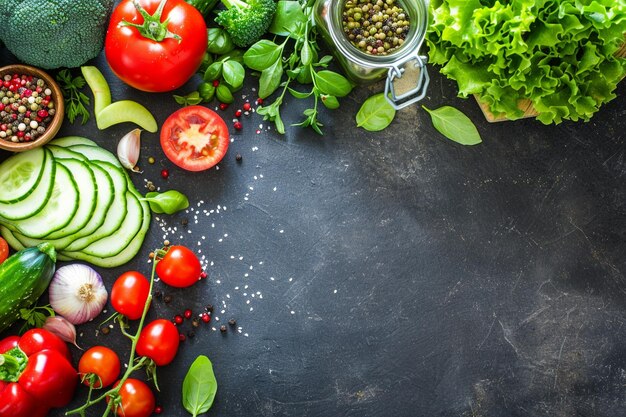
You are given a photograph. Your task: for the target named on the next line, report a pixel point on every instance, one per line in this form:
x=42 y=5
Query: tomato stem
x=152 y=27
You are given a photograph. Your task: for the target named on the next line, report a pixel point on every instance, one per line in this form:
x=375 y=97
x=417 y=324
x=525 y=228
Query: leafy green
x=199 y=386
x=168 y=202
x=376 y=113
x=262 y=55
x=233 y=73
x=288 y=17
x=219 y=41
x=189 y=99
x=454 y=125
x=35 y=317
x=559 y=54
x=75 y=100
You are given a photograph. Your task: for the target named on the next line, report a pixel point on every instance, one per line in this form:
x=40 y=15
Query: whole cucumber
x=24 y=276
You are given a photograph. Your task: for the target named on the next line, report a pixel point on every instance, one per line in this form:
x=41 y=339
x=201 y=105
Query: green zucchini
x=24 y=276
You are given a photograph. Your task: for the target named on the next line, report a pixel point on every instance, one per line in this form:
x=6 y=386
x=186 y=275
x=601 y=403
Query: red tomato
x=194 y=138
x=100 y=361
x=137 y=399
x=155 y=65
x=35 y=340
x=129 y=294
x=179 y=267
x=159 y=341
x=4 y=250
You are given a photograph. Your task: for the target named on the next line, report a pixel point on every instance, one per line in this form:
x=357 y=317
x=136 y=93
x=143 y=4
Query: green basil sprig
x=199 y=386
x=168 y=202
x=375 y=114
x=454 y=125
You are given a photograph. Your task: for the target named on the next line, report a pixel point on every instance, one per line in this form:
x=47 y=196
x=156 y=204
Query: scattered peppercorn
x=150 y=186
x=223 y=328
x=167 y=299
x=203 y=275
x=158 y=409
x=178 y=319
x=166 y=242
x=209 y=308
x=376 y=27
x=246 y=106
x=216 y=83
x=191 y=334
x=206 y=317
x=187 y=313
x=151 y=160
x=165 y=174
x=105 y=330
x=238 y=113
x=181 y=337
x=195 y=322
x=238 y=157
x=184 y=221
x=232 y=322
x=237 y=125
x=151 y=255
x=223 y=106
x=259 y=101
x=158 y=295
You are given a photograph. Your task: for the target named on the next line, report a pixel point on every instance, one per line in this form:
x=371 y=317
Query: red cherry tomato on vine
x=100 y=361
x=4 y=250
x=179 y=267
x=195 y=138
x=159 y=341
x=159 y=64
x=129 y=294
x=137 y=399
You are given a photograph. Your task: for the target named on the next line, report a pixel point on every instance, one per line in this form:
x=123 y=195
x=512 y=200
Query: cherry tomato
x=194 y=138
x=35 y=340
x=100 y=361
x=137 y=399
x=159 y=341
x=129 y=294
x=4 y=250
x=155 y=65
x=179 y=267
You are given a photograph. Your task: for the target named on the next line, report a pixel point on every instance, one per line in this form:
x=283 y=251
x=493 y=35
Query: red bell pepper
x=35 y=374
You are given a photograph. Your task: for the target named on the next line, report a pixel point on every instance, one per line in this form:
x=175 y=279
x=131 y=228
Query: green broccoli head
x=54 y=33
x=246 y=21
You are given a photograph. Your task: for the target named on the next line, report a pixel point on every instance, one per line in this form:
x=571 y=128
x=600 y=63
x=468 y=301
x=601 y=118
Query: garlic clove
x=128 y=150
x=62 y=328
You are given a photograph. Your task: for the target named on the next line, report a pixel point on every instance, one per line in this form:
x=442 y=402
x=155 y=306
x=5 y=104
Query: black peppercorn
x=238 y=157
x=184 y=222
x=209 y=308
x=105 y=330
x=191 y=334
x=195 y=322
x=223 y=328
x=167 y=299
x=232 y=322
x=158 y=295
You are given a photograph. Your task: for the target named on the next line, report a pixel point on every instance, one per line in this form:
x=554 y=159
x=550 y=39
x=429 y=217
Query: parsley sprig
x=75 y=100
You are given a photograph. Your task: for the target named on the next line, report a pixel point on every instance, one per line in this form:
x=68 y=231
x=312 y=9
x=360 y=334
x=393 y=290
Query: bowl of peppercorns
x=31 y=107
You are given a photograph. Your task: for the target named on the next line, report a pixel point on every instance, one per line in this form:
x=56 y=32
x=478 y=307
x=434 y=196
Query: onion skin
x=77 y=293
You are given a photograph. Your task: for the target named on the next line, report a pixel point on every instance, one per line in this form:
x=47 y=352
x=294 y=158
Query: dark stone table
x=397 y=273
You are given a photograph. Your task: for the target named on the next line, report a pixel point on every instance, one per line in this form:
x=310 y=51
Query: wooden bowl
x=57 y=97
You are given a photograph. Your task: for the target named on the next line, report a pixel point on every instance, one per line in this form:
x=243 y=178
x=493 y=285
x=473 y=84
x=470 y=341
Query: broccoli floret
x=54 y=33
x=246 y=21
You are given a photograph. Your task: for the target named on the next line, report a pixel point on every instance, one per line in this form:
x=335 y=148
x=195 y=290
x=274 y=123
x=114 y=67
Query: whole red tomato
x=100 y=361
x=4 y=250
x=159 y=341
x=150 y=55
x=137 y=399
x=129 y=294
x=179 y=267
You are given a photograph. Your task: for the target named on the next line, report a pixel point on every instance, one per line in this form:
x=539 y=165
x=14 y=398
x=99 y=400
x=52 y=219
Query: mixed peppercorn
x=376 y=27
x=26 y=107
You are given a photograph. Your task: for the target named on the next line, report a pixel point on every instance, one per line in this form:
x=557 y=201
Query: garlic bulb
x=77 y=293
x=128 y=150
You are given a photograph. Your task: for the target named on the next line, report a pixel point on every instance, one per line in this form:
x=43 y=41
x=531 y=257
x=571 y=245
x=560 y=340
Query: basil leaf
x=454 y=125
x=332 y=83
x=304 y=76
x=299 y=94
x=262 y=55
x=270 y=79
x=375 y=114
x=233 y=73
x=207 y=91
x=288 y=19
x=213 y=72
x=219 y=41
x=223 y=94
x=199 y=386
x=325 y=60
x=168 y=202
x=234 y=55
x=330 y=102
x=306 y=55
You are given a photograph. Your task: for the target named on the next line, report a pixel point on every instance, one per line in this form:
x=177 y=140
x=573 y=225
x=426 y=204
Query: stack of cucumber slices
x=75 y=195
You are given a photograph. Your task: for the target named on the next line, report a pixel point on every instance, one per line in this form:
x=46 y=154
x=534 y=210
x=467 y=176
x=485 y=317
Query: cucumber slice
x=114 y=215
x=20 y=174
x=65 y=153
x=112 y=245
x=37 y=198
x=58 y=210
x=93 y=153
x=72 y=140
x=99 y=88
x=129 y=252
x=87 y=197
x=10 y=238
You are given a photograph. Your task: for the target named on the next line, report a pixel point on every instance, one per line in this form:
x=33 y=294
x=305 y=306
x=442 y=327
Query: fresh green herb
x=199 y=386
x=35 y=317
x=233 y=73
x=282 y=67
x=190 y=99
x=75 y=100
x=558 y=54
x=375 y=114
x=454 y=125
x=168 y=202
x=219 y=41
x=203 y=6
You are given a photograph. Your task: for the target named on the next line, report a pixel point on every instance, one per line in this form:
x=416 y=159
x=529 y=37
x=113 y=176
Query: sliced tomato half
x=195 y=138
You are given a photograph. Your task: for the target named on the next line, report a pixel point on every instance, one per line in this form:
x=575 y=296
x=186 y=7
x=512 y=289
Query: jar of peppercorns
x=374 y=39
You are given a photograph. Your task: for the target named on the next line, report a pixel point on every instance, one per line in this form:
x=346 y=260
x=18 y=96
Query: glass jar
x=363 y=68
